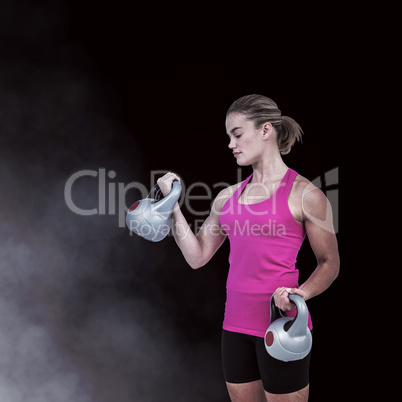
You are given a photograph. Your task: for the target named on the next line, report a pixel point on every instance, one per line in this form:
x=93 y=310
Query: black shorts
x=245 y=359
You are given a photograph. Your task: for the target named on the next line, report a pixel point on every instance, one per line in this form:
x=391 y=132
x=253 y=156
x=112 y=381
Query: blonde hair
x=261 y=109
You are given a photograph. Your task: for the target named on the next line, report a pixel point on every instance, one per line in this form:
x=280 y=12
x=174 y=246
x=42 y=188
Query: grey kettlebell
x=288 y=338
x=151 y=218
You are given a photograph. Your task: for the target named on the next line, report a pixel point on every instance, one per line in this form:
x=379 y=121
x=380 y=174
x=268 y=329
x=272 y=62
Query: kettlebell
x=288 y=338
x=151 y=218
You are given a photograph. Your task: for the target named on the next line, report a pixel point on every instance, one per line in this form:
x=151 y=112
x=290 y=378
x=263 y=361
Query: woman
x=266 y=218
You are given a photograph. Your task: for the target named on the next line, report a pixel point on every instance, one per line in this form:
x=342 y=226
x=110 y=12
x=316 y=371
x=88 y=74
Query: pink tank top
x=264 y=242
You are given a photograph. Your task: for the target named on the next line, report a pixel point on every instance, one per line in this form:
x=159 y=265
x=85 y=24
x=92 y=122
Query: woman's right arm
x=197 y=249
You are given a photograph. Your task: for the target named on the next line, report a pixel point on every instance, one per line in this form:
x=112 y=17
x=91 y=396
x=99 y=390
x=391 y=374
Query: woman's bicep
x=319 y=225
x=211 y=236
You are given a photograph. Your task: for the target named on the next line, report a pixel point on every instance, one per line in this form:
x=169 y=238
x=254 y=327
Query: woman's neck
x=268 y=169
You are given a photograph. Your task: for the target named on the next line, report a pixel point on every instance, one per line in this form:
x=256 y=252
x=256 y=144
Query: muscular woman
x=266 y=217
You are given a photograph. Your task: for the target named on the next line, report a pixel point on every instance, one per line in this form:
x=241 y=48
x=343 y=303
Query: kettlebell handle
x=297 y=326
x=176 y=188
x=166 y=204
x=157 y=193
x=276 y=312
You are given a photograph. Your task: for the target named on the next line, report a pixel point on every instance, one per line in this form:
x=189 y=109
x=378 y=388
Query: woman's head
x=261 y=110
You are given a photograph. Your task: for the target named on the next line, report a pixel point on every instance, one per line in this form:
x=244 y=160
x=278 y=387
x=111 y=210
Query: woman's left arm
x=320 y=231
x=317 y=216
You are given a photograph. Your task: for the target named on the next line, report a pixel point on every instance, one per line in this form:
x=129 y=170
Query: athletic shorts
x=245 y=359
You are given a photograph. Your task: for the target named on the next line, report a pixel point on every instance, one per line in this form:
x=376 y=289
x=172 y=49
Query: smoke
x=84 y=312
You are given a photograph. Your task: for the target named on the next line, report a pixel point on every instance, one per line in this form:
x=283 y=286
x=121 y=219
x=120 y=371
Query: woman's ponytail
x=288 y=132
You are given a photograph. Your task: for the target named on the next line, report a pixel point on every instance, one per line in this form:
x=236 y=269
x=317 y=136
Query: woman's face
x=245 y=139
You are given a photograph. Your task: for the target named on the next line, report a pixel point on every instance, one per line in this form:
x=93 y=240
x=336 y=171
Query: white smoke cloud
x=84 y=316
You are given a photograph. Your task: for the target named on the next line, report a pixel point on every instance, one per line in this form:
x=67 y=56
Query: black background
x=107 y=316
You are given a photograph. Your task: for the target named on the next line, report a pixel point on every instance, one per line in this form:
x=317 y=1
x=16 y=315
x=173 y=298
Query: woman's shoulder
x=300 y=183
x=304 y=190
x=230 y=190
x=303 y=185
x=225 y=194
